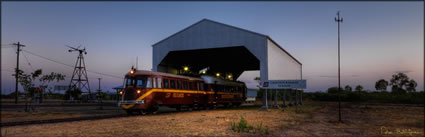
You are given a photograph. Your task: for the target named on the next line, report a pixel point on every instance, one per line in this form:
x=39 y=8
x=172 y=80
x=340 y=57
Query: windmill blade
x=71 y=47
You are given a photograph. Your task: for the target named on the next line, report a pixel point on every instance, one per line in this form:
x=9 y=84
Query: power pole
x=19 y=45
x=100 y=97
x=339 y=19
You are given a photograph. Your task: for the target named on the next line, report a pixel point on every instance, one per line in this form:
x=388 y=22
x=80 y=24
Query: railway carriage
x=145 y=91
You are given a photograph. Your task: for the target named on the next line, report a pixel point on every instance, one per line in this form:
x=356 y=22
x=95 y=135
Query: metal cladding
x=224 y=49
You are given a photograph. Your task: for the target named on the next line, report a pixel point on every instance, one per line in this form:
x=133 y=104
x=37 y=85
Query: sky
x=378 y=39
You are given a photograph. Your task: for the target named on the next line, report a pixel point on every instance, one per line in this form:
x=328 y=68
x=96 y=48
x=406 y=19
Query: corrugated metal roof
x=256 y=33
x=207 y=20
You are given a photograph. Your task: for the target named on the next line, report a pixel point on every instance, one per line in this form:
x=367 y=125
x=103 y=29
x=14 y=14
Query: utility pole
x=339 y=19
x=19 y=45
x=100 y=97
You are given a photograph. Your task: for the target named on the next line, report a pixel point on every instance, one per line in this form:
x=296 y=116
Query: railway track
x=8 y=124
x=162 y=111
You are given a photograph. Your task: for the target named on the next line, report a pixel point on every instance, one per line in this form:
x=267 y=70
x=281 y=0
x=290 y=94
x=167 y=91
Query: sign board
x=284 y=84
x=60 y=87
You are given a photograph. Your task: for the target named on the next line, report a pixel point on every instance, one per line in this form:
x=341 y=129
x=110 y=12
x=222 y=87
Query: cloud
x=333 y=76
x=325 y=76
x=403 y=71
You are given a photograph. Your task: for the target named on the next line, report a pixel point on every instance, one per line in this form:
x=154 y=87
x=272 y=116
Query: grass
x=420 y=122
x=243 y=126
x=312 y=118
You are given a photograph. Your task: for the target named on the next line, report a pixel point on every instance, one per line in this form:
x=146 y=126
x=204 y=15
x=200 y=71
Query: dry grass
x=52 y=109
x=313 y=119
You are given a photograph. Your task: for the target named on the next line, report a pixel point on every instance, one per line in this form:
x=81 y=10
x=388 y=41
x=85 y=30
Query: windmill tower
x=79 y=78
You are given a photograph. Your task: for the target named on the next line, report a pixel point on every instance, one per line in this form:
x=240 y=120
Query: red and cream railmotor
x=146 y=91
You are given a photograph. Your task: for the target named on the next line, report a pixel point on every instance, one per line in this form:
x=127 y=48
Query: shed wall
x=281 y=66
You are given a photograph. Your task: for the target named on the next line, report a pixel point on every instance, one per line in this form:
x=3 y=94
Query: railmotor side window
x=201 y=86
x=185 y=85
x=191 y=87
x=179 y=84
x=149 y=83
x=159 y=83
x=154 y=82
x=165 y=83
x=173 y=84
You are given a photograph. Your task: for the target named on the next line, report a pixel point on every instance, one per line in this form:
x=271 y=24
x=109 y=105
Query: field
x=313 y=119
x=54 y=109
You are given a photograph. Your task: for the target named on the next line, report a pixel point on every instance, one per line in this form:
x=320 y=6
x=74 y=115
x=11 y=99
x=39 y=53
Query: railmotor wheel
x=178 y=108
x=129 y=112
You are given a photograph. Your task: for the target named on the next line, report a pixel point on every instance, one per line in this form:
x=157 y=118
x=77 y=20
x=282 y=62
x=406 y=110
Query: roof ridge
x=205 y=19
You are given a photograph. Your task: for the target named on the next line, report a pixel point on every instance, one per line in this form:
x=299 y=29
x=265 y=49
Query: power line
x=47 y=58
x=28 y=61
x=8 y=71
x=7 y=46
x=70 y=65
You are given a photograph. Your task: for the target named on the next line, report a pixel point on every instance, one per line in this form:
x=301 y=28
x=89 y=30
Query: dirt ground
x=313 y=119
x=54 y=109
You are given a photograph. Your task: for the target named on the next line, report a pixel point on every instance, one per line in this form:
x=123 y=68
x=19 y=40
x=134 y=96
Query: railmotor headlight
x=138 y=91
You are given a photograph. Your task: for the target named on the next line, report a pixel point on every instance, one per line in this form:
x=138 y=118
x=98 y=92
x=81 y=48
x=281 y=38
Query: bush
x=72 y=93
x=378 y=97
x=243 y=126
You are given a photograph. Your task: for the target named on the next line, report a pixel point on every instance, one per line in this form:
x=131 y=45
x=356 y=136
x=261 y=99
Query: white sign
x=284 y=84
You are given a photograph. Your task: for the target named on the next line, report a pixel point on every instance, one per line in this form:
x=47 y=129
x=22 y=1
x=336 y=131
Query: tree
x=381 y=84
x=411 y=86
x=333 y=90
x=359 y=88
x=400 y=83
x=27 y=81
x=348 y=88
x=72 y=93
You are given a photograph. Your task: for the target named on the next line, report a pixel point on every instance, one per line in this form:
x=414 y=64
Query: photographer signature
x=388 y=131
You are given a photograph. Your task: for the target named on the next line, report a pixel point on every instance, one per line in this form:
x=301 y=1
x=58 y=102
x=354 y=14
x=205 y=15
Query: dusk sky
x=378 y=39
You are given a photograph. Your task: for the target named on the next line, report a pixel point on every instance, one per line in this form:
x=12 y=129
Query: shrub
x=243 y=126
x=378 y=97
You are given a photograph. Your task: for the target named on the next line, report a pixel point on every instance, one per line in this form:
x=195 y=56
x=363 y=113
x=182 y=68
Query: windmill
x=79 y=78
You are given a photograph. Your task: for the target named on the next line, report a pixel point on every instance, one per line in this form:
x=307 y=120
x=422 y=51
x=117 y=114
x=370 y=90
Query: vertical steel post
x=339 y=19
x=275 y=99
x=265 y=106
x=290 y=98
x=296 y=101
x=283 y=98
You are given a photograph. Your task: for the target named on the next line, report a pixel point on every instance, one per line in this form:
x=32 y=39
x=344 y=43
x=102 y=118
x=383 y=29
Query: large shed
x=224 y=49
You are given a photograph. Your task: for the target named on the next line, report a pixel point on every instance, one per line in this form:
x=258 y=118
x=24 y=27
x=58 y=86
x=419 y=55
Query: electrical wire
x=71 y=65
x=48 y=59
x=28 y=62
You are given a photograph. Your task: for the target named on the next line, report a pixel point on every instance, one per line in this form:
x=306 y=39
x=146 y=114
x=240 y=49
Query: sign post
x=283 y=84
